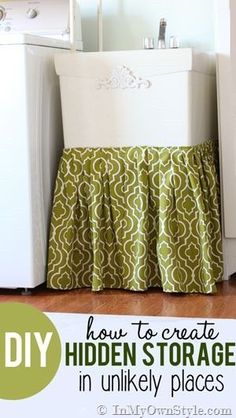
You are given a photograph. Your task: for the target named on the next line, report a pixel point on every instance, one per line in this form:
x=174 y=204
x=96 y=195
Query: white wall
x=126 y=22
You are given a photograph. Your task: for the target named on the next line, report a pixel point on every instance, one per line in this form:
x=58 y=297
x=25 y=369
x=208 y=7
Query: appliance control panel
x=39 y=16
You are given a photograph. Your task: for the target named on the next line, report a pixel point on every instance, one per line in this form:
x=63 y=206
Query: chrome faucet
x=162 y=34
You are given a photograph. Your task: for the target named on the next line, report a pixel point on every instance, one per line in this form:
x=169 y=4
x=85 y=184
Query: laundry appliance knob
x=2 y=13
x=31 y=13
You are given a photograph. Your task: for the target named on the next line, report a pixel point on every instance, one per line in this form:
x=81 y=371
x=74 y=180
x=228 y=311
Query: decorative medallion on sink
x=123 y=78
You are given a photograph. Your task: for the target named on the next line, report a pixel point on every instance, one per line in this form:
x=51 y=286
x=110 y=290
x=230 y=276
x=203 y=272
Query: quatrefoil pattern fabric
x=135 y=218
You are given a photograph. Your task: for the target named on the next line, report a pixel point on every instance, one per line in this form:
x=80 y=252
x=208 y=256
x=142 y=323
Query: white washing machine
x=30 y=133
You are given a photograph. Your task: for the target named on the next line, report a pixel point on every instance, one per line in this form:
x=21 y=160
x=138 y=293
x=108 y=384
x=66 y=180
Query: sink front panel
x=118 y=105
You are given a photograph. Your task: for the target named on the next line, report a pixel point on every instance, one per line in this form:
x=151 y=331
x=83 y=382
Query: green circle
x=30 y=351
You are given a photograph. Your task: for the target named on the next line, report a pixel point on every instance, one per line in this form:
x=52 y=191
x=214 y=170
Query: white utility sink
x=129 y=98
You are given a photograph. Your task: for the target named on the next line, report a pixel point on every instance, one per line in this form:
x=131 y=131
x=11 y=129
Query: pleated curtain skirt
x=137 y=217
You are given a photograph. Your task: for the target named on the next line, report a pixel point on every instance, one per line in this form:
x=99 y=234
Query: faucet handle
x=162 y=34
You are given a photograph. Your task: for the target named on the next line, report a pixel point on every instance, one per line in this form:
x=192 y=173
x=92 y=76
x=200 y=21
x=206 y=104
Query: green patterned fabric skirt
x=137 y=217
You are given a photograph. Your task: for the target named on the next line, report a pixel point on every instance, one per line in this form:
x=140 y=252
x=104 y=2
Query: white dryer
x=30 y=133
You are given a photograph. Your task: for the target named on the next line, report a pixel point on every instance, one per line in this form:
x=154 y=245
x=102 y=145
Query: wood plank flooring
x=120 y=302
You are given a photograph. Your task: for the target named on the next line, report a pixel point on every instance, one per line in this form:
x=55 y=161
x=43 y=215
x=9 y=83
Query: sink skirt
x=137 y=217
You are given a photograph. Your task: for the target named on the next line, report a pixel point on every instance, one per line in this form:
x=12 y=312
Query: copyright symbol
x=101 y=410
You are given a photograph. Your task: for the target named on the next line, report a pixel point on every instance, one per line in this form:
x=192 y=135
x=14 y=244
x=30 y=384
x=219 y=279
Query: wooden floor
x=120 y=302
